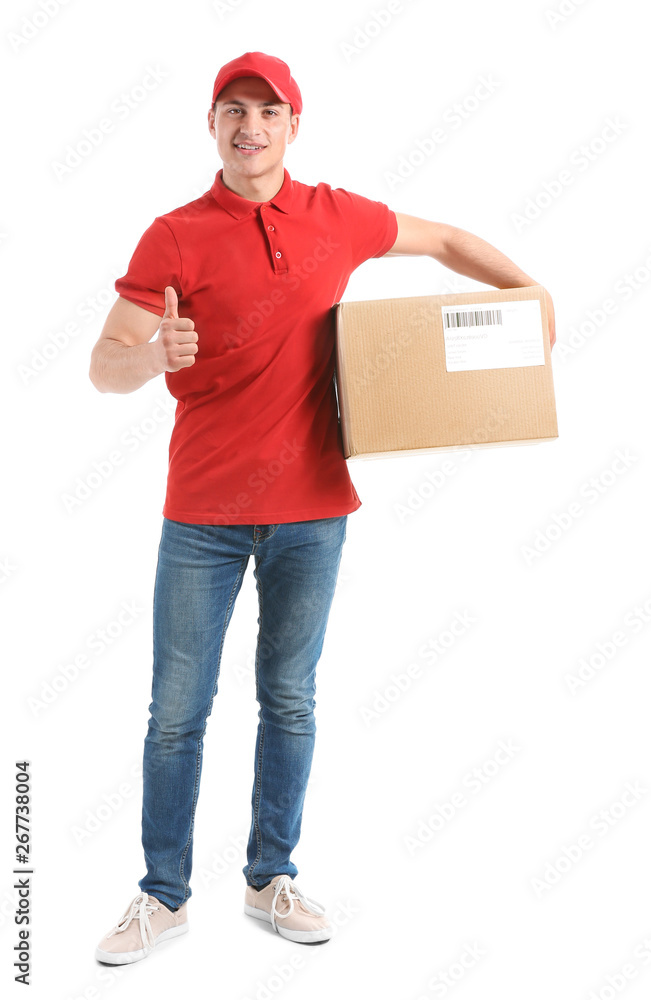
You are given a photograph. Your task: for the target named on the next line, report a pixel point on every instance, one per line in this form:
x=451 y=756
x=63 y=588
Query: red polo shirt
x=256 y=437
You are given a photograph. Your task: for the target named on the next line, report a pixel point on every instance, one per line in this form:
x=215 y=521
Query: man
x=240 y=285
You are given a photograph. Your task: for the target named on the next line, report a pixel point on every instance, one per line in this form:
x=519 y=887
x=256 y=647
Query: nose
x=250 y=127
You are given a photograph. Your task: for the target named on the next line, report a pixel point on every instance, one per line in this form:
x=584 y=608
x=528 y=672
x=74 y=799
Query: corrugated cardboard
x=396 y=396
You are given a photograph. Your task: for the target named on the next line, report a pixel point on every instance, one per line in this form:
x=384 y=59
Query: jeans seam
x=192 y=812
x=258 y=770
x=195 y=794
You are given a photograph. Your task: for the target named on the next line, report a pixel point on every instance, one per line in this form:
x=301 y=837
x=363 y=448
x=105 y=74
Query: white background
x=404 y=915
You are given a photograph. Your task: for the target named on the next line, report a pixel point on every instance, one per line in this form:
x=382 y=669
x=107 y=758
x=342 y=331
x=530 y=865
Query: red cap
x=268 y=68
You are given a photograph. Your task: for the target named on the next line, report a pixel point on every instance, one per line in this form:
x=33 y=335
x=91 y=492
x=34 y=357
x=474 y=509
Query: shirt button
x=278 y=253
x=271 y=228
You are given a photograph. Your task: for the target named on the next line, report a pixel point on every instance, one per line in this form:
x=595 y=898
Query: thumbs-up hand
x=177 y=340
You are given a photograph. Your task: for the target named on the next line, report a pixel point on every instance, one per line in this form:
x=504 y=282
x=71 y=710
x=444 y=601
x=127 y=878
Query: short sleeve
x=156 y=263
x=372 y=226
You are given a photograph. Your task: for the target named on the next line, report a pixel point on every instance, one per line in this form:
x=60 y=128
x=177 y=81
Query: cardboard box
x=444 y=371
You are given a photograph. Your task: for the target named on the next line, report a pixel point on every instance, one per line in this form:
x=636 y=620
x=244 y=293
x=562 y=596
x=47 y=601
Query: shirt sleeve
x=156 y=262
x=372 y=226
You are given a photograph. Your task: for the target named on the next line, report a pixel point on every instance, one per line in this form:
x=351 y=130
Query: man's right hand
x=177 y=339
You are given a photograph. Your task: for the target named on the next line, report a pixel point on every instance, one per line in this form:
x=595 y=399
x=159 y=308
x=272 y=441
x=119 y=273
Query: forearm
x=114 y=367
x=467 y=254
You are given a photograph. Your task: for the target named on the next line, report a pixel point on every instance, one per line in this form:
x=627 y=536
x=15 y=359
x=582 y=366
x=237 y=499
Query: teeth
x=241 y=145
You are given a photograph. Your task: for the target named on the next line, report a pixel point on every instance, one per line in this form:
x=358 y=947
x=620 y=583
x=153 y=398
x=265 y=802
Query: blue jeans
x=199 y=575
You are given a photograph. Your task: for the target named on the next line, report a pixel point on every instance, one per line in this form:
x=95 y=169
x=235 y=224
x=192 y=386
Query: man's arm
x=464 y=253
x=123 y=359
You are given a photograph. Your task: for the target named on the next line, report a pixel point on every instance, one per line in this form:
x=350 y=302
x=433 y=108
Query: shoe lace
x=289 y=890
x=142 y=909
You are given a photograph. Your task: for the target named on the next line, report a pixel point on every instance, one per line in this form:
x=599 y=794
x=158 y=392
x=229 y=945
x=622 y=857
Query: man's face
x=249 y=114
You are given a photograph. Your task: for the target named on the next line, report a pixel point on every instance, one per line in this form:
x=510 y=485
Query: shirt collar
x=238 y=207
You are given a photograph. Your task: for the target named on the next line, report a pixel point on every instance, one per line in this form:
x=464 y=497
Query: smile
x=248 y=148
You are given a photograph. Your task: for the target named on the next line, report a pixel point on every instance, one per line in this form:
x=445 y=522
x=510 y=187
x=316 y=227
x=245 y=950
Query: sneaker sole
x=323 y=934
x=127 y=957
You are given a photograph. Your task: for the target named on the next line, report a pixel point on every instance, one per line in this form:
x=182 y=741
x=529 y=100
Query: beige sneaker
x=145 y=923
x=289 y=912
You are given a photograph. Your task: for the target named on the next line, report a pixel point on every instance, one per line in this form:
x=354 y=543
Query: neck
x=255 y=188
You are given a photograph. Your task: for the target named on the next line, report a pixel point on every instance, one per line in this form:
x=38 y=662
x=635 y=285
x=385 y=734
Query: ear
x=294 y=123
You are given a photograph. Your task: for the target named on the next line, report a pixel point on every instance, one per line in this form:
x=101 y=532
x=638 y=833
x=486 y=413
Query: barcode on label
x=478 y=317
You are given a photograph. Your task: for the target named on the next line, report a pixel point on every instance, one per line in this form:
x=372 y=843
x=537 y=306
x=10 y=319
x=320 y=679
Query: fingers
x=171 y=303
x=172 y=311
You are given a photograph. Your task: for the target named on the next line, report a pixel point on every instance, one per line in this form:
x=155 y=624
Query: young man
x=240 y=285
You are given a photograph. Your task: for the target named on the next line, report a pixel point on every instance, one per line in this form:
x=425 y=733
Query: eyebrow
x=261 y=104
